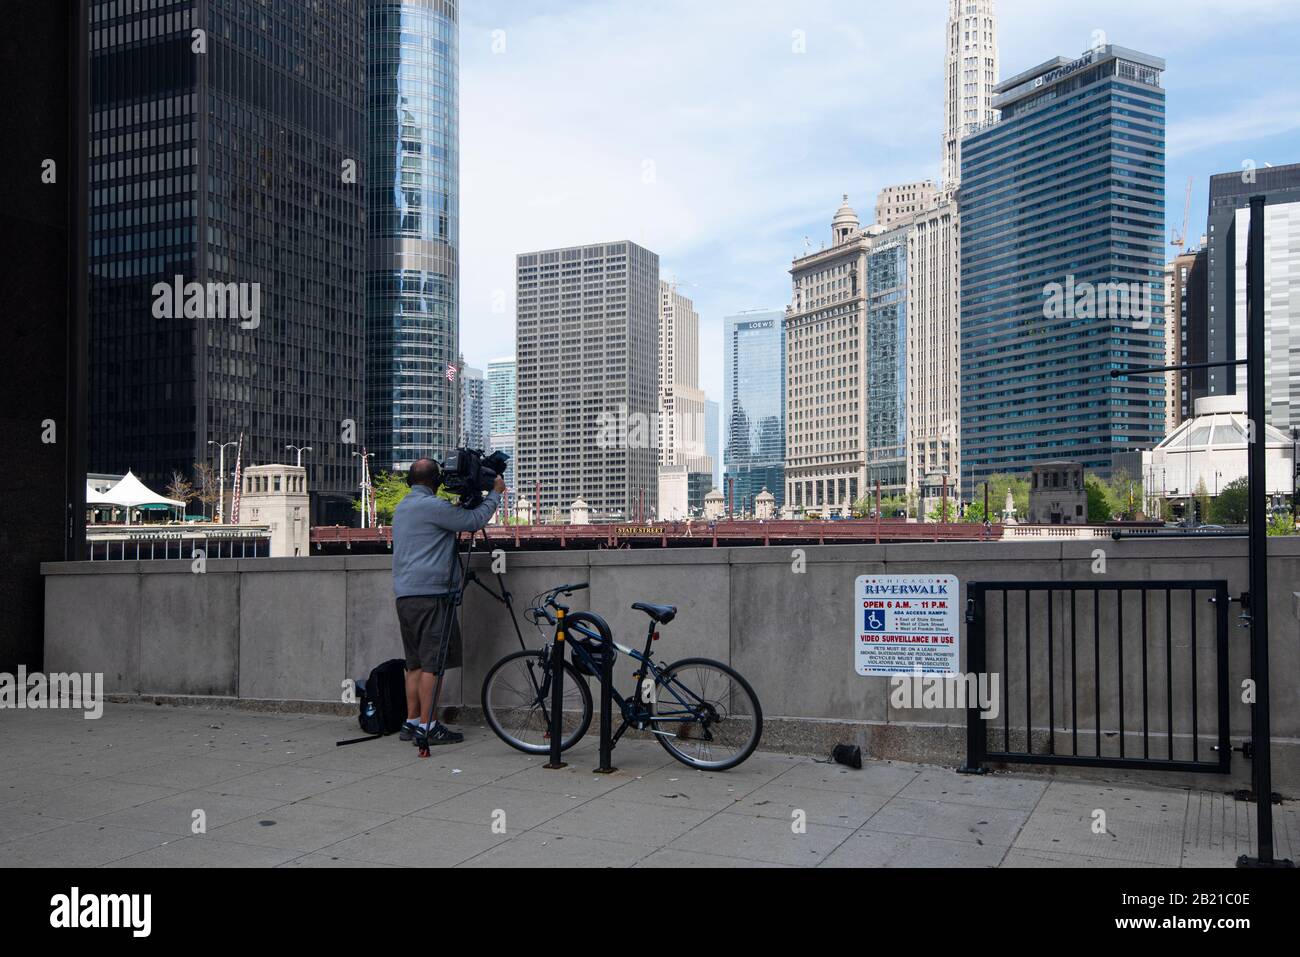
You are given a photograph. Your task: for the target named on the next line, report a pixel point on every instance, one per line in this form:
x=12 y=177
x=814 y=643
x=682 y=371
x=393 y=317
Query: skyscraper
x=501 y=426
x=681 y=402
x=1186 y=328
x=712 y=441
x=970 y=74
x=1062 y=218
x=1229 y=225
x=826 y=380
x=475 y=409
x=588 y=369
x=219 y=197
x=753 y=380
x=413 y=210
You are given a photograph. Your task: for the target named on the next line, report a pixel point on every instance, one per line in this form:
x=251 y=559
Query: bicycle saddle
x=660 y=613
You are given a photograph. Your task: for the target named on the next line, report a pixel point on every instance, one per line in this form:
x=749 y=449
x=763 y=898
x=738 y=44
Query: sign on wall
x=906 y=624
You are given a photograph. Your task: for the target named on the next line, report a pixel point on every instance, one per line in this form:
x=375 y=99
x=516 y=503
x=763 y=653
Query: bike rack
x=607 y=655
x=557 y=695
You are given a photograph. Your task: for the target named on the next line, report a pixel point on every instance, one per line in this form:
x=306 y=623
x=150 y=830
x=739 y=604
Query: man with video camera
x=425 y=580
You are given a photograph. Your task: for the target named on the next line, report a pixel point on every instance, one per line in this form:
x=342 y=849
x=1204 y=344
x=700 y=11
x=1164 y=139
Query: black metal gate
x=1121 y=674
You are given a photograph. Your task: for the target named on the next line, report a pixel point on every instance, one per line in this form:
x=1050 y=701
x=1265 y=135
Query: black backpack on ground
x=382 y=698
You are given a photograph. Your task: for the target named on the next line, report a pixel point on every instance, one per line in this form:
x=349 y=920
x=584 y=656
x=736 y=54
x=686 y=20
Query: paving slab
x=419 y=842
x=81 y=844
x=207 y=852
x=759 y=838
x=539 y=849
x=301 y=827
x=955 y=822
x=868 y=848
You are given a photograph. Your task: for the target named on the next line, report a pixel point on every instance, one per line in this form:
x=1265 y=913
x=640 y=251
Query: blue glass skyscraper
x=754 y=404
x=1062 y=239
x=412 y=191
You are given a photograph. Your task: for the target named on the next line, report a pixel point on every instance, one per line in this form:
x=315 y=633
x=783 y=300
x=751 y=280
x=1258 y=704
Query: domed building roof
x=765 y=496
x=845 y=223
x=714 y=496
x=1220 y=423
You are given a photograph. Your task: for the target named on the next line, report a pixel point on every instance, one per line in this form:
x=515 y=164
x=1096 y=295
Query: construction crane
x=1179 y=239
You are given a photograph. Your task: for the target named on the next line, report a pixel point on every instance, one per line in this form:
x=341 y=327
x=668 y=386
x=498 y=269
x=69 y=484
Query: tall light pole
x=299 y=449
x=221 y=471
x=365 y=488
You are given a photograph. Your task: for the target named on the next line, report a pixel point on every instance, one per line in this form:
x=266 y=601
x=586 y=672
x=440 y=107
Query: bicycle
x=703 y=726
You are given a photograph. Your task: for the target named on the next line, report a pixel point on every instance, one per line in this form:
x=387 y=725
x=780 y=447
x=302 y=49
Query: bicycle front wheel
x=517 y=702
x=706 y=715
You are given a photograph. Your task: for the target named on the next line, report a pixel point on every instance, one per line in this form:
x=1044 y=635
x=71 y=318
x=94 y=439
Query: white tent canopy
x=95 y=497
x=130 y=492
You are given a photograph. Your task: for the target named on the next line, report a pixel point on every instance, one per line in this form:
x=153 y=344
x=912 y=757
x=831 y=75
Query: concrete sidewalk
x=273 y=790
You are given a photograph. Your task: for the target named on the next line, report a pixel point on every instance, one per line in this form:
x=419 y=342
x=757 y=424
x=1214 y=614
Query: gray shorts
x=423 y=618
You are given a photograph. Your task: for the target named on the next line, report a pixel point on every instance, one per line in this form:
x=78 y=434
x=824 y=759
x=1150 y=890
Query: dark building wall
x=41 y=318
x=228 y=167
x=1229 y=193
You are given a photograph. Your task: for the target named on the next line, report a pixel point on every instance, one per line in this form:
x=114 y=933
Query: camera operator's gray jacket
x=424 y=540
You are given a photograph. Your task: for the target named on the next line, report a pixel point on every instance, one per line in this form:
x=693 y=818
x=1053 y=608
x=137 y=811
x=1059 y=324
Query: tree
x=896 y=506
x=1125 y=494
x=1232 y=503
x=1202 y=500
x=1099 y=505
x=207 y=491
x=998 y=485
x=389 y=489
x=1282 y=523
x=180 y=488
x=944 y=510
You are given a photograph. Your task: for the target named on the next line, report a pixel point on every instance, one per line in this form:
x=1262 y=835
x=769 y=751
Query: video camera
x=471 y=474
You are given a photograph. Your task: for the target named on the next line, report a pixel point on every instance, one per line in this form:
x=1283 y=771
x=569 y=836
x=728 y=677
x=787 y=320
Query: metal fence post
x=1257 y=516
x=976 y=742
x=557 y=694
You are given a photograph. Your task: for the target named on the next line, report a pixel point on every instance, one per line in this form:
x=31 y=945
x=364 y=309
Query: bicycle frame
x=635 y=712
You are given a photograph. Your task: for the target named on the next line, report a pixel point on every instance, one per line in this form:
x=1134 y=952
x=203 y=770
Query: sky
x=721 y=134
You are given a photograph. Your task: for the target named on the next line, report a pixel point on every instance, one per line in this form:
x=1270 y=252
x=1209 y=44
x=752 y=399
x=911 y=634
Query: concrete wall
x=285 y=629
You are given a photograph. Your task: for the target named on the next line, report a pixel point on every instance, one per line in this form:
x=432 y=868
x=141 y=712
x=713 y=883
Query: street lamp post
x=365 y=488
x=221 y=475
x=299 y=449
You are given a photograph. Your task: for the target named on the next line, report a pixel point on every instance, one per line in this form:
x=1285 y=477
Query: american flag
x=451 y=372
x=234 y=504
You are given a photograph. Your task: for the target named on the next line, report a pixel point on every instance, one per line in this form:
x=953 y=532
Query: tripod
x=465 y=576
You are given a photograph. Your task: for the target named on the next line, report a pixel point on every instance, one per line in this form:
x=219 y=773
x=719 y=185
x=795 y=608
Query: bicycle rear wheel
x=707 y=714
x=517 y=702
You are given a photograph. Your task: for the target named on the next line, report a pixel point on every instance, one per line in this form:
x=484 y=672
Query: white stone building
x=276 y=496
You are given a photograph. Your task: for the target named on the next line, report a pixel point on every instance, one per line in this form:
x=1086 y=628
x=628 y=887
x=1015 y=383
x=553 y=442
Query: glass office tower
x=1062 y=223
x=412 y=193
x=222 y=166
x=754 y=404
x=501 y=425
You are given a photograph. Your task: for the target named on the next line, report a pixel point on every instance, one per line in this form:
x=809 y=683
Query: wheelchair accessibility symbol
x=873 y=620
